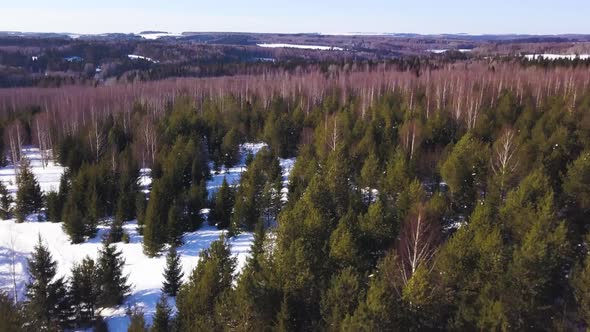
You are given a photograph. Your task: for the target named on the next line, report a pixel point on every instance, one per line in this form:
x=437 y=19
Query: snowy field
x=47 y=174
x=442 y=51
x=305 y=47
x=157 y=35
x=557 y=56
x=141 y=57
x=145 y=274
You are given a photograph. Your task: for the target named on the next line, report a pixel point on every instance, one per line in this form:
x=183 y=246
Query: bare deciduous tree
x=417 y=244
x=504 y=160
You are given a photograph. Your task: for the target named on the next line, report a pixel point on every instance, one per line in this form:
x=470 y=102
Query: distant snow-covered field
x=305 y=47
x=145 y=274
x=141 y=57
x=157 y=35
x=557 y=56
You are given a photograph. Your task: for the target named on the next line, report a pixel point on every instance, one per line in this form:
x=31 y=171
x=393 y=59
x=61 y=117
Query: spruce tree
x=254 y=301
x=5 y=202
x=140 y=206
x=53 y=209
x=136 y=320
x=47 y=301
x=220 y=214
x=11 y=315
x=73 y=222
x=209 y=281
x=113 y=284
x=162 y=318
x=175 y=225
x=230 y=148
x=28 y=195
x=92 y=213
x=196 y=200
x=581 y=285
x=341 y=298
x=84 y=290
x=154 y=228
x=116 y=231
x=172 y=273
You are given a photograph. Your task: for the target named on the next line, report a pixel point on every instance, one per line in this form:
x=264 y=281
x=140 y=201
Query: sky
x=325 y=16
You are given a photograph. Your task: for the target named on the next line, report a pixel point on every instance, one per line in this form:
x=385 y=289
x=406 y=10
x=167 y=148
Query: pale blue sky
x=428 y=16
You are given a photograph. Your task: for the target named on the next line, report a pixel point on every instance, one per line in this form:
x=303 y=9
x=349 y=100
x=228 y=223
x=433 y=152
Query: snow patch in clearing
x=557 y=56
x=305 y=47
x=48 y=173
x=141 y=57
x=157 y=35
x=145 y=274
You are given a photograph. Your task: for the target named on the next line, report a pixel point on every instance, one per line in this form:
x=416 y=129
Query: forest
x=423 y=197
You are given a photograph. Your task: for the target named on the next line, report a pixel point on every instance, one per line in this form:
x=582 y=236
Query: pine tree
x=53 y=208
x=28 y=196
x=377 y=228
x=211 y=280
x=254 y=300
x=11 y=316
x=73 y=222
x=140 y=206
x=113 y=284
x=370 y=171
x=341 y=298
x=5 y=202
x=344 y=248
x=85 y=290
x=220 y=214
x=581 y=286
x=116 y=232
x=175 y=225
x=136 y=321
x=92 y=213
x=100 y=325
x=154 y=228
x=48 y=304
x=230 y=148
x=465 y=171
x=162 y=318
x=172 y=273
x=196 y=200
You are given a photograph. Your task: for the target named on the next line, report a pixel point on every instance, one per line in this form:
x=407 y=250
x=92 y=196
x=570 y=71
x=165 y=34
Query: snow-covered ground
x=141 y=57
x=557 y=56
x=157 y=35
x=145 y=274
x=232 y=174
x=48 y=174
x=305 y=47
x=441 y=51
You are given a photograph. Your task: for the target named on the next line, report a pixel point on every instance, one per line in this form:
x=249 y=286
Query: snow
x=305 y=47
x=145 y=274
x=47 y=174
x=17 y=240
x=157 y=35
x=557 y=56
x=441 y=51
x=232 y=174
x=74 y=58
x=145 y=180
x=356 y=33
x=141 y=57
x=286 y=167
